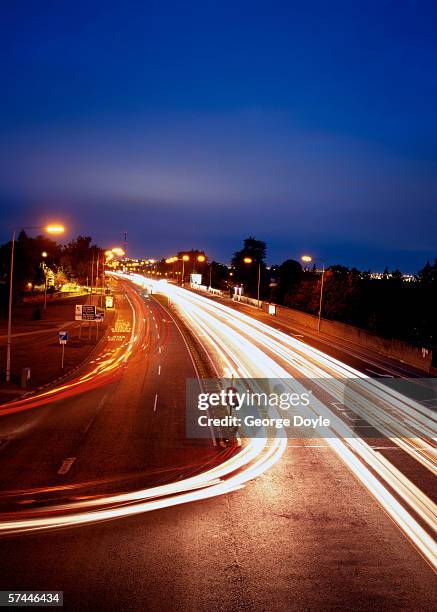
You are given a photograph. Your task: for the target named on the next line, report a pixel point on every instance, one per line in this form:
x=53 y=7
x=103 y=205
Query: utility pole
x=259 y=279
x=321 y=297
x=11 y=281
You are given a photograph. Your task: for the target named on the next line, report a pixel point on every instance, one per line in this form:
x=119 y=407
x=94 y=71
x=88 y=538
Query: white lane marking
x=66 y=465
x=159 y=370
x=156 y=325
x=99 y=407
x=308 y=446
x=159 y=349
x=154 y=405
x=379 y=374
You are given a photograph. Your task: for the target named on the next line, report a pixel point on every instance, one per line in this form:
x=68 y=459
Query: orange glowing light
x=55 y=229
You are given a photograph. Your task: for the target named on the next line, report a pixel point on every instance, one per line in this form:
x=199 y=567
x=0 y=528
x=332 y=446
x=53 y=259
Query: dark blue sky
x=310 y=125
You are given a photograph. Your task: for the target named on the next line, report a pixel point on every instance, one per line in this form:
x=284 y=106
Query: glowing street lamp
x=249 y=260
x=118 y=251
x=44 y=256
x=309 y=259
x=49 y=229
x=184 y=259
x=55 y=229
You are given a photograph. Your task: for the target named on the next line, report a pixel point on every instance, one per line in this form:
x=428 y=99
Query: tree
x=287 y=278
x=77 y=257
x=247 y=273
x=27 y=264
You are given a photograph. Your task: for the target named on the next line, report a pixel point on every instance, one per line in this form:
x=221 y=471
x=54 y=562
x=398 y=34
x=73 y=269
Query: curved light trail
x=243 y=347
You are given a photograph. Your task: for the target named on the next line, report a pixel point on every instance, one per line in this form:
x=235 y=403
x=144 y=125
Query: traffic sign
x=85 y=312
x=109 y=301
x=63 y=337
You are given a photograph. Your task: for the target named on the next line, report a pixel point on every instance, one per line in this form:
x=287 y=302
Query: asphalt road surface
x=315 y=531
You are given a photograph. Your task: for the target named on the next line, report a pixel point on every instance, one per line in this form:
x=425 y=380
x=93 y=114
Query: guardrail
x=206 y=289
x=247 y=300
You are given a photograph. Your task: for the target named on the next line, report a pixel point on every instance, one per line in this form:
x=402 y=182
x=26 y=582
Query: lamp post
x=50 y=229
x=249 y=260
x=210 y=275
x=44 y=255
x=183 y=259
x=309 y=259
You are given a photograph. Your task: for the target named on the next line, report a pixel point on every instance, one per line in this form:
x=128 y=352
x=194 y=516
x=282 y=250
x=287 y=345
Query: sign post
x=99 y=317
x=85 y=312
x=63 y=337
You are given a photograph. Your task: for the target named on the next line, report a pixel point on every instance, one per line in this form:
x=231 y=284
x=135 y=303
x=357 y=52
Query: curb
x=63 y=376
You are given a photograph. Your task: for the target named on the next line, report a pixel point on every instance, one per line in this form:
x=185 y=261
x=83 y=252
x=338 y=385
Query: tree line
x=70 y=262
x=389 y=306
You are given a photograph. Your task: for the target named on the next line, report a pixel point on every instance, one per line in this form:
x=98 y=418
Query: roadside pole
x=92 y=281
x=63 y=337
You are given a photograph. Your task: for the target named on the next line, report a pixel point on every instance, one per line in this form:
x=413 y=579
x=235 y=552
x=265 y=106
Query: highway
x=116 y=507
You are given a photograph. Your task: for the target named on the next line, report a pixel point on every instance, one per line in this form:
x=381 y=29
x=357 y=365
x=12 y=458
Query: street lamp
x=44 y=255
x=183 y=259
x=49 y=229
x=249 y=260
x=309 y=259
x=210 y=275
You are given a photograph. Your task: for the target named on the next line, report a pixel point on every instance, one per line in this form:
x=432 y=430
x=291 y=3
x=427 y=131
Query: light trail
x=105 y=371
x=251 y=460
x=243 y=347
x=259 y=349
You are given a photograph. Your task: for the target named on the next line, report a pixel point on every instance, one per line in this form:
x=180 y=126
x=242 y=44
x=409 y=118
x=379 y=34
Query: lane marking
x=99 y=407
x=159 y=370
x=379 y=374
x=154 y=405
x=66 y=465
x=159 y=349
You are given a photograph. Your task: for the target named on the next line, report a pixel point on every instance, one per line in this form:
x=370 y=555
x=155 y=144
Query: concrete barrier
x=247 y=300
x=206 y=289
x=417 y=357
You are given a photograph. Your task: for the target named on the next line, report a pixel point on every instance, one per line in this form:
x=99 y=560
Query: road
x=326 y=523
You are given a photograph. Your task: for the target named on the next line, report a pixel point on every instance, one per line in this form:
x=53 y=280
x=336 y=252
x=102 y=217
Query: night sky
x=310 y=125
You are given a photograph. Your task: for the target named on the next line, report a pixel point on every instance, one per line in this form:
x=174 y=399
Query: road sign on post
x=63 y=337
x=85 y=312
